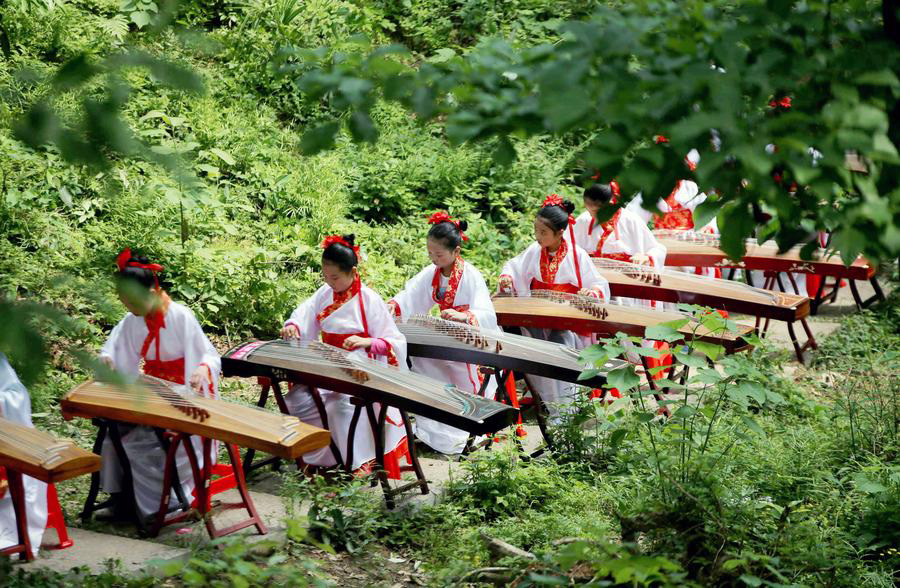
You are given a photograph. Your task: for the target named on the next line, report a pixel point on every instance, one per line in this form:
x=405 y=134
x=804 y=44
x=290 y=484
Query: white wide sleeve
x=481 y=308
x=304 y=316
x=120 y=347
x=637 y=207
x=590 y=277
x=382 y=326
x=520 y=270
x=15 y=403
x=198 y=351
x=582 y=223
x=643 y=241
x=415 y=298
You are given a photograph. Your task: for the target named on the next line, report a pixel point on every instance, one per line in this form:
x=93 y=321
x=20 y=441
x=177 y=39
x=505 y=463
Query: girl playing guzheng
x=166 y=338
x=555 y=263
x=460 y=292
x=347 y=314
x=15 y=405
x=623 y=237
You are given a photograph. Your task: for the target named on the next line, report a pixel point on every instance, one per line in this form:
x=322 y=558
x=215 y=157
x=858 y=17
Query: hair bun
x=351 y=238
x=568 y=206
x=463 y=226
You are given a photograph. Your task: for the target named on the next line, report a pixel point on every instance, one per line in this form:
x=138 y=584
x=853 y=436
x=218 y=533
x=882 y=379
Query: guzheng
x=648 y=283
x=155 y=403
x=571 y=312
x=436 y=338
x=690 y=248
x=28 y=451
x=41 y=455
x=327 y=367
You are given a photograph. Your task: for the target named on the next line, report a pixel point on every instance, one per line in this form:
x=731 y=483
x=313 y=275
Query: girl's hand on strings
x=505 y=286
x=454 y=315
x=355 y=342
x=200 y=380
x=290 y=332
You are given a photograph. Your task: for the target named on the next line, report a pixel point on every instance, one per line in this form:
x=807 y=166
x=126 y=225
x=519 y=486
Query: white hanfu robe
x=568 y=271
x=621 y=237
x=336 y=316
x=464 y=291
x=15 y=405
x=181 y=337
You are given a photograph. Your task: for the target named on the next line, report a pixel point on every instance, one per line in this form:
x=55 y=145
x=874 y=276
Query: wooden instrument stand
x=17 y=494
x=169 y=442
x=377 y=423
x=773 y=278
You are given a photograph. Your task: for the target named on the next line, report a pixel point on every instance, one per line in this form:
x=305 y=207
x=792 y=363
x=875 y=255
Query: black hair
x=448 y=234
x=557 y=216
x=600 y=193
x=139 y=275
x=342 y=256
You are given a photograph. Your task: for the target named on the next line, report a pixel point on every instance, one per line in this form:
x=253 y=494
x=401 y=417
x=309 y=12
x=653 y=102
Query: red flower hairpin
x=784 y=103
x=441 y=216
x=123 y=260
x=556 y=200
x=338 y=240
x=660 y=139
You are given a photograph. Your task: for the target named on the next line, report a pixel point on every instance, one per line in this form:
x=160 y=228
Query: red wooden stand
x=204 y=487
x=17 y=494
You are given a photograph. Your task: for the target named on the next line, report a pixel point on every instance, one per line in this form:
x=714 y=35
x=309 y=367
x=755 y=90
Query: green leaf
x=689 y=360
x=504 y=153
x=864 y=484
x=754 y=391
x=442 y=55
x=849 y=242
x=623 y=379
x=663 y=333
x=319 y=138
x=223 y=155
x=140 y=18
x=362 y=128
x=74 y=72
x=710 y=350
x=882 y=77
x=753 y=426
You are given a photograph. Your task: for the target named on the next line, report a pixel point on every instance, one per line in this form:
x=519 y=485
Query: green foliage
x=630 y=73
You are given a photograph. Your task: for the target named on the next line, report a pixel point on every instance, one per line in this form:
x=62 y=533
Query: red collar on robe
x=339 y=299
x=155 y=321
x=678 y=217
x=608 y=228
x=456 y=274
x=549 y=267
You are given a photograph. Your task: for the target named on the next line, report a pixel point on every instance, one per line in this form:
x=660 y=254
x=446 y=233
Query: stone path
x=93 y=549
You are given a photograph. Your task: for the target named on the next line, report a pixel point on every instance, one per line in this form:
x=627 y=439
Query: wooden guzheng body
x=177 y=415
x=149 y=404
x=689 y=248
x=571 y=312
x=327 y=367
x=646 y=283
x=28 y=451
x=435 y=338
x=373 y=386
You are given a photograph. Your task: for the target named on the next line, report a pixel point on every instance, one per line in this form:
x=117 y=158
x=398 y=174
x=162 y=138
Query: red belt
x=570 y=288
x=337 y=339
x=172 y=370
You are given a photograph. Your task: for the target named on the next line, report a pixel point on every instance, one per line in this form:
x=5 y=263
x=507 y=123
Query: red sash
x=538 y=285
x=172 y=370
x=337 y=339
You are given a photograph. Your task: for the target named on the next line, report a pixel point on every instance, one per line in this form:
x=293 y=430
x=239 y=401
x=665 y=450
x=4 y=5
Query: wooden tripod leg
x=377 y=424
x=323 y=415
x=799 y=349
x=413 y=457
x=168 y=469
x=251 y=453
x=176 y=483
x=246 y=499
x=351 y=436
x=127 y=475
x=17 y=494
x=90 y=503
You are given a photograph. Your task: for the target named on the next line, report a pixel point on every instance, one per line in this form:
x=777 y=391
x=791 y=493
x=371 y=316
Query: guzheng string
x=737 y=288
x=438 y=331
x=751 y=244
x=321 y=354
x=42 y=448
x=265 y=424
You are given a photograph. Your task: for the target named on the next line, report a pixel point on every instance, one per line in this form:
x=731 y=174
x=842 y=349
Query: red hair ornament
x=123 y=260
x=338 y=240
x=613 y=187
x=556 y=200
x=441 y=216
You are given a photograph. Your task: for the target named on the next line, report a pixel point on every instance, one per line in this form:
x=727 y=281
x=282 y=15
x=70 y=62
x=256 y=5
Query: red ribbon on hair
x=616 y=192
x=441 y=216
x=123 y=260
x=338 y=240
x=556 y=200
